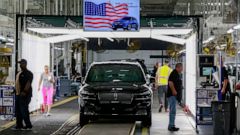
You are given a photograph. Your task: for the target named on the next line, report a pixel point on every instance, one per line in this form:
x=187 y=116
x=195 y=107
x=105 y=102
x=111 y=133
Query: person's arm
x=171 y=85
x=40 y=82
x=225 y=82
x=53 y=79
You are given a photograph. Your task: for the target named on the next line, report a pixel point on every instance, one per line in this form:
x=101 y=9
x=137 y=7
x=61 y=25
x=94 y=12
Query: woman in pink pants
x=47 y=81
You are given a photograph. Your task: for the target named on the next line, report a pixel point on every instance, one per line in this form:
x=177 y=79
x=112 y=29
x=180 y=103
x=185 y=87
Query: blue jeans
x=172 y=111
x=162 y=95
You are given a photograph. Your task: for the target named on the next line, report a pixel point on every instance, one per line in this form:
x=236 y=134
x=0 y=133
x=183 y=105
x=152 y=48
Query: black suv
x=115 y=90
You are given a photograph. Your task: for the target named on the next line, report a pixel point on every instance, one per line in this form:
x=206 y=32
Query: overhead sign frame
x=114 y=15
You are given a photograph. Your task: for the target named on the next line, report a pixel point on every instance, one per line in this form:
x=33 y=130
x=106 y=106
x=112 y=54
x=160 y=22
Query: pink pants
x=47 y=95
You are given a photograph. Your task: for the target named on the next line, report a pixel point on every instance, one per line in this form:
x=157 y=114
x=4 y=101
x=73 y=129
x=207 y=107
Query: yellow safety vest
x=163 y=74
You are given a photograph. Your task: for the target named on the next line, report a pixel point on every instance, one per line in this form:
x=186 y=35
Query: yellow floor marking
x=144 y=131
x=12 y=123
x=64 y=101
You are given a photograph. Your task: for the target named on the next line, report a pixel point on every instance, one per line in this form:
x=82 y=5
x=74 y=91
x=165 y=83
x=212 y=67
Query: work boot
x=173 y=129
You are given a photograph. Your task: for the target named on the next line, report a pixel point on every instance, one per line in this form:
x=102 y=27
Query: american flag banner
x=101 y=16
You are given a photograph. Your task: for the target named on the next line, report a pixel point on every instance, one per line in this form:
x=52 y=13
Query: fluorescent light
x=99 y=42
x=223 y=45
x=236 y=27
x=10 y=40
x=182 y=51
x=209 y=39
x=230 y=31
x=128 y=42
x=112 y=40
x=59 y=48
x=2 y=38
x=86 y=39
x=10 y=44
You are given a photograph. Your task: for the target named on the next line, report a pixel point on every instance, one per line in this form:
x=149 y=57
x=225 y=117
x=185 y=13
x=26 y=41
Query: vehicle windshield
x=115 y=73
x=126 y=18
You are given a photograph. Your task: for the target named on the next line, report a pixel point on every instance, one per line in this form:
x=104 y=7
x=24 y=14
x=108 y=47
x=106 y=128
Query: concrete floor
x=43 y=125
x=185 y=122
x=47 y=125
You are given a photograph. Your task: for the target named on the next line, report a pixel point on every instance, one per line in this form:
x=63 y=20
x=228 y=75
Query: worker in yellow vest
x=161 y=84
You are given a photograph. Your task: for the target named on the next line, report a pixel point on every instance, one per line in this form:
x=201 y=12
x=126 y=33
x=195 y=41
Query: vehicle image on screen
x=126 y=23
x=115 y=89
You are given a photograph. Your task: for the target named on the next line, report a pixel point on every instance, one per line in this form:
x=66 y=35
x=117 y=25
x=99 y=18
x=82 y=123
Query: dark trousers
x=22 y=112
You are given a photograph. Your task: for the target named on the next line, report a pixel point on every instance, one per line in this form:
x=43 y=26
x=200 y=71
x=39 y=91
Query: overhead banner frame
x=114 y=15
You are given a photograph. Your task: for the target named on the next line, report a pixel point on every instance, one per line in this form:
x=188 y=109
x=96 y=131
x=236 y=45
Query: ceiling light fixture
x=230 y=31
x=236 y=27
x=211 y=38
x=112 y=40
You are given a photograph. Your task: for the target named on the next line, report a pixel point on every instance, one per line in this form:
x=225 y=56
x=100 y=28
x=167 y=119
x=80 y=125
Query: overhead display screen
x=111 y=15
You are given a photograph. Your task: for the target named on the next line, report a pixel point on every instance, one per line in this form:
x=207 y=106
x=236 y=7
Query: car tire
x=83 y=119
x=136 y=28
x=147 y=121
x=129 y=27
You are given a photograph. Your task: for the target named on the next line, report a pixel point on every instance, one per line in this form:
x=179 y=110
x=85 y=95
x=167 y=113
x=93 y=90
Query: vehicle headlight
x=87 y=95
x=146 y=95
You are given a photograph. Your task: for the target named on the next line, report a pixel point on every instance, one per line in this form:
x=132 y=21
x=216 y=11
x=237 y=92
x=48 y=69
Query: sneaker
x=16 y=128
x=27 y=128
x=48 y=114
x=173 y=129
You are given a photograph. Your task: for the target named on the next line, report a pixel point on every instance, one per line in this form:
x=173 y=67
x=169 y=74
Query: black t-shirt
x=177 y=81
x=24 y=77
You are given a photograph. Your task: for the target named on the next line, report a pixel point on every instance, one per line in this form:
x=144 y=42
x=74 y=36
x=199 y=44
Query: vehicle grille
x=123 y=98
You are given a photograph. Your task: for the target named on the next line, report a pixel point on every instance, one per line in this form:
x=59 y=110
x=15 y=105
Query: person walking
x=47 y=81
x=155 y=68
x=162 y=75
x=174 y=87
x=23 y=97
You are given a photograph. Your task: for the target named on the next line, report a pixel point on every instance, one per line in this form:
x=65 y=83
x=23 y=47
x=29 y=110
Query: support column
x=44 y=7
x=74 y=7
x=25 y=6
x=61 y=7
x=66 y=7
x=78 y=7
x=52 y=57
x=56 y=7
